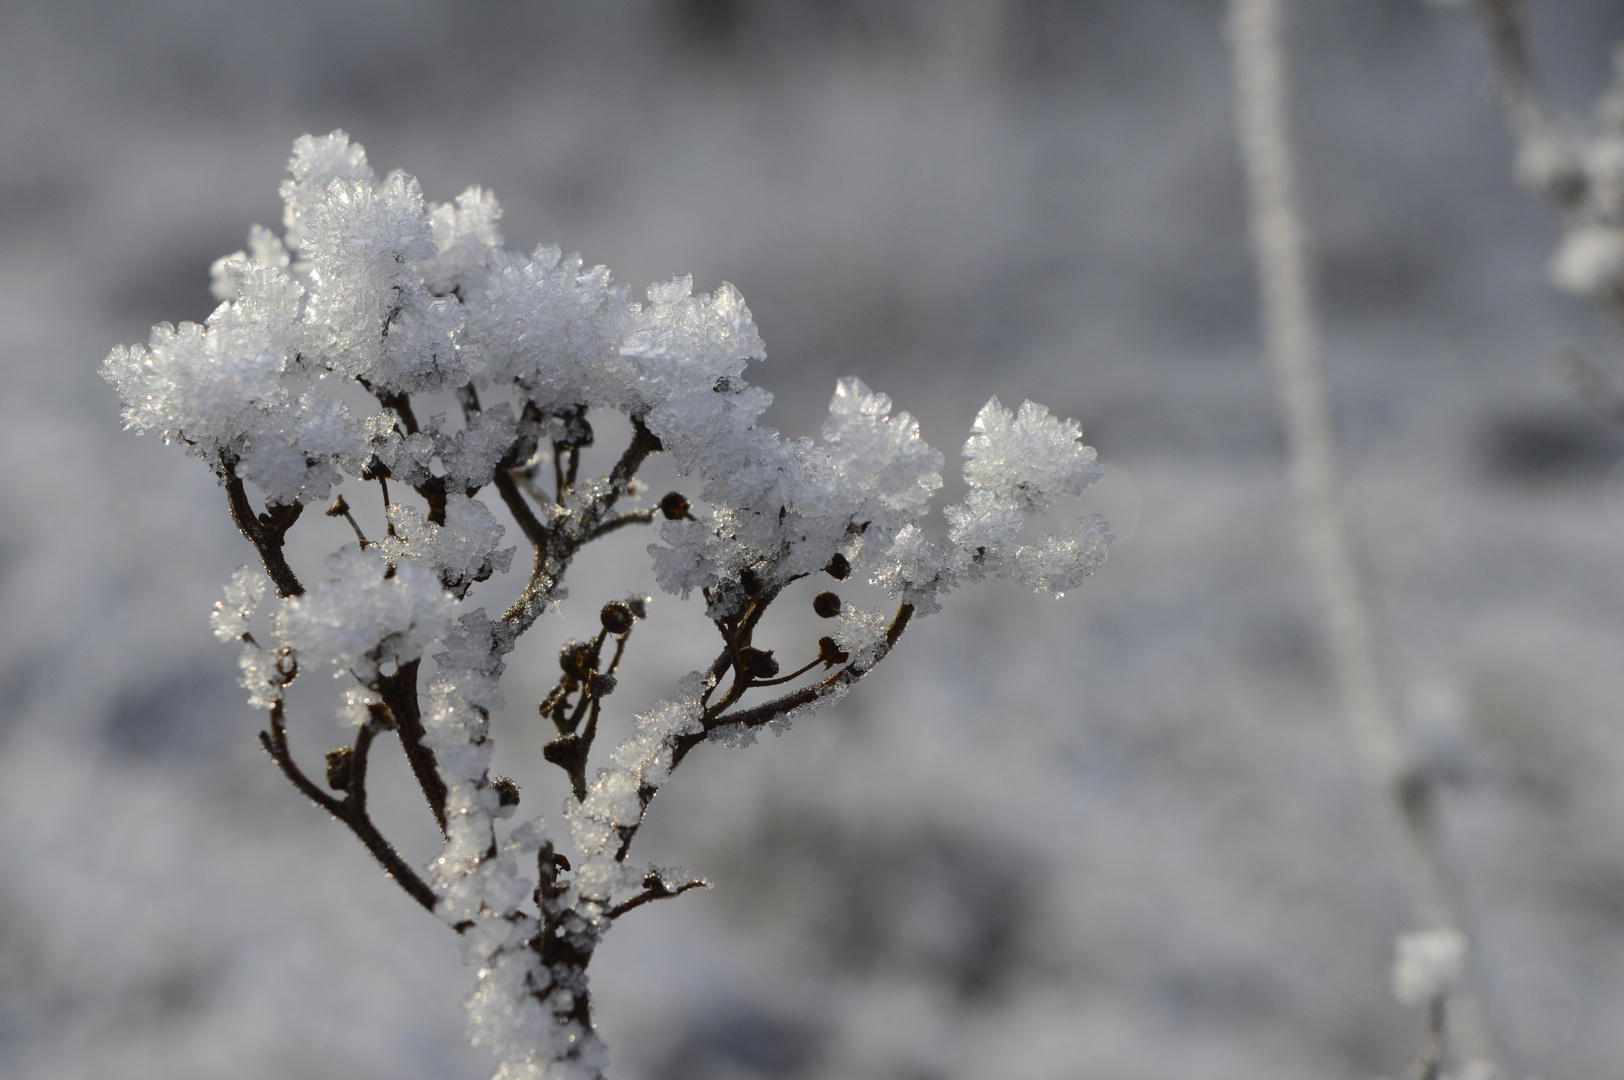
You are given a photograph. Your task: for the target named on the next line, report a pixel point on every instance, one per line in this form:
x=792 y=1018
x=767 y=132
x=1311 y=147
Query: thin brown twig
x=630 y=517
x=399 y=693
x=655 y=892
x=351 y=811
x=266 y=531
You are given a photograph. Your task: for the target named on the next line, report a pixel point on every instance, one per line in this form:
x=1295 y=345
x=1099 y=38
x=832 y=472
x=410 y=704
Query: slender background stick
x=1292 y=342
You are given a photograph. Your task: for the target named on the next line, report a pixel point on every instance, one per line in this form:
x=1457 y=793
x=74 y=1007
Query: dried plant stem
x=1291 y=340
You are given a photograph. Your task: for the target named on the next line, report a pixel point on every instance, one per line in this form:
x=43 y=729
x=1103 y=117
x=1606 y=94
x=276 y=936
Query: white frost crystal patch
x=372 y=290
x=1427 y=965
x=462 y=551
x=243 y=593
x=369 y=614
x=1060 y=563
x=1027 y=459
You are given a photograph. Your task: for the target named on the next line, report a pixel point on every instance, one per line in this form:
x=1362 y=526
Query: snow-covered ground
x=1123 y=834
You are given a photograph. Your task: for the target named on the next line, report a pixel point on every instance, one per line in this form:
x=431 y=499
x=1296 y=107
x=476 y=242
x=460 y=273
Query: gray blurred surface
x=1118 y=835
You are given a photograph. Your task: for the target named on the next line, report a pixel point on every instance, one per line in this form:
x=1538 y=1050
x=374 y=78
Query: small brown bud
x=575 y=658
x=757 y=664
x=674 y=506
x=826 y=604
x=507 y=792
x=617 y=617
x=340 y=768
x=600 y=685
x=830 y=653
x=838 y=567
x=339 y=507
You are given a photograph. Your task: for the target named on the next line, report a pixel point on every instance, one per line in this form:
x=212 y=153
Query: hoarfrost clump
x=1427 y=969
x=1578 y=166
x=1426 y=965
x=369 y=286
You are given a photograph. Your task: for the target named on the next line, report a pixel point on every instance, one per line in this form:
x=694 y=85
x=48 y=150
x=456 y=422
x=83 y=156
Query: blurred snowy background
x=1121 y=835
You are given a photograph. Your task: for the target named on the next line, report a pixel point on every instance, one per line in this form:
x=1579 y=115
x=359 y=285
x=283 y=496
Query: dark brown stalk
x=401 y=403
x=716 y=716
x=657 y=891
x=399 y=693
x=644 y=442
x=265 y=531
x=352 y=809
x=631 y=517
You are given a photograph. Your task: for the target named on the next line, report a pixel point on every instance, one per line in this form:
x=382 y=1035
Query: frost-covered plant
x=1580 y=169
x=369 y=286
x=1578 y=166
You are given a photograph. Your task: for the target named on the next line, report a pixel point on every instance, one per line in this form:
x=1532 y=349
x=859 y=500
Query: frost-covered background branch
x=1035 y=200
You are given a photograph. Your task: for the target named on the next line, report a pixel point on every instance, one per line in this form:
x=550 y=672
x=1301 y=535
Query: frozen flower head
x=1427 y=965
x=374 y=291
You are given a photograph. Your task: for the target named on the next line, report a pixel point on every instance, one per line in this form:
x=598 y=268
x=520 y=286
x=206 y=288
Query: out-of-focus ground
x=1121 y=835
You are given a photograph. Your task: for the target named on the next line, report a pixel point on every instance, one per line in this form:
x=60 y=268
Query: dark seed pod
x=757 y=664
x=600 y=685
x=674 y=506
x=575 y=658
x=507 y=792
x=339 y=507
x=830 y=653
x=617 y=617
x=340 y=768
x=826 y=604
x=838 y=567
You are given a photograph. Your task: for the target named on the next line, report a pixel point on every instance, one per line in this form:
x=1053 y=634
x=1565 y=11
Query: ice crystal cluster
x=396 y=301
x=1427 y=965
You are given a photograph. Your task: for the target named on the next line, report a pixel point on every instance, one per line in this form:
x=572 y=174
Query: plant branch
x=351 y=811
x=539 y=535
x=401 y=403
x=644 y=442
x=399 y=692
x=656 y=890
x=1514 y=74
x=792 y=676
x=265 y=531
x=630 y=517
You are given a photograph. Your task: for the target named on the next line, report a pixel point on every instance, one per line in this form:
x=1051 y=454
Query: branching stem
x=399 y=692
x=265 y=531
x=351 y=810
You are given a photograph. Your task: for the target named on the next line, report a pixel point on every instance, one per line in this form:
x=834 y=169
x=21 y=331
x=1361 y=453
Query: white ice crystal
x=461 y=551
x=1590 y=259
x=368 y=615
x=243 y=593
x=1027 y=459
x=1427 y=964
x=371 y=286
